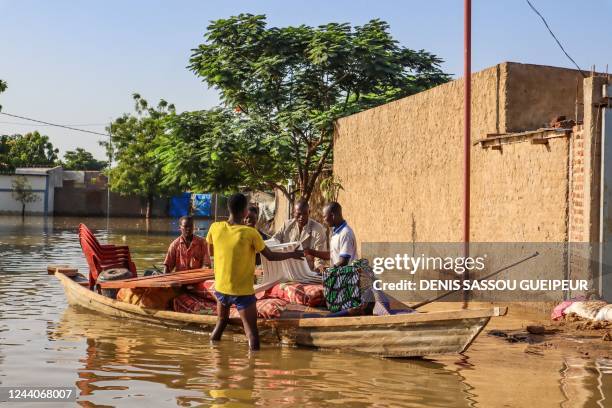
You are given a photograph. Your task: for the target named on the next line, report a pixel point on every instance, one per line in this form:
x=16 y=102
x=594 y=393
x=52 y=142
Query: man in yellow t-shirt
x=234 y=246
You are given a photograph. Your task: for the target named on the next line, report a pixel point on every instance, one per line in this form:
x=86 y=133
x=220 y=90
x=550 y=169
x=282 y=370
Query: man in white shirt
x=342 y=245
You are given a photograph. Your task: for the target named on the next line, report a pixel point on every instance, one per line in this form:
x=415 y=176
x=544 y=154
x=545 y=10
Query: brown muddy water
x=112 y=362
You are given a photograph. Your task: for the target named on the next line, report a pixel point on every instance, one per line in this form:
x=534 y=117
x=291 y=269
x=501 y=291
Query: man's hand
x=317 y=254
x=321 y=269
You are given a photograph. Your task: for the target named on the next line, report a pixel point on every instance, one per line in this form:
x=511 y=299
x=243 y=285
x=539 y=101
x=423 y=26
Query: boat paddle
x=425 y=302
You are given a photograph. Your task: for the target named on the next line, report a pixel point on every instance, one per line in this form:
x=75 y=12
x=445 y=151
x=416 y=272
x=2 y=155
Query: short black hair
x=334 y=207
x=302 y=204
x=237 y=203
x=254 y=208
x=187 y=218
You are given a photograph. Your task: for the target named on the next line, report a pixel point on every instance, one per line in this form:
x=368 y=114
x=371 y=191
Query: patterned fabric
x=341 y=288
x=270 y=308
x=302 y=294
x=181 y=257
x=190 y=303
x=204 y=289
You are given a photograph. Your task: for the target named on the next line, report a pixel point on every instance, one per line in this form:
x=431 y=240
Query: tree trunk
x=22 y=210
x=149 y=206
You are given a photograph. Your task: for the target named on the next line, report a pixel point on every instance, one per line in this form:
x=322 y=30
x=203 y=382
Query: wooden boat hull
x=404 y=335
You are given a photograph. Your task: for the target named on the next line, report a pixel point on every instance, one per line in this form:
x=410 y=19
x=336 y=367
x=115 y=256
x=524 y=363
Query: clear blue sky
x=76 y=62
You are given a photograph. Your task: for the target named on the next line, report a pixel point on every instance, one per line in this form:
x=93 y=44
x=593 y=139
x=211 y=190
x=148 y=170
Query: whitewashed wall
x=38 y=183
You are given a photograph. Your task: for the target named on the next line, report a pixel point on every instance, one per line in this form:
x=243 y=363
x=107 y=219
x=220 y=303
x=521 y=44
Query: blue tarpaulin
x=180 y=205
x=201 y=205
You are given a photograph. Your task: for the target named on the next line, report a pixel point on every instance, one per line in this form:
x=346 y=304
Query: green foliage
x=330 y=187
x=220 y=151
x=134 y=139
x=294 y=82
x=22 y=192
x=3 y=87
x=80 y=159
x=31 y=149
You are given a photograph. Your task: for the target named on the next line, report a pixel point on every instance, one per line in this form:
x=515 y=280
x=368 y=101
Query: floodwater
x=113 y=362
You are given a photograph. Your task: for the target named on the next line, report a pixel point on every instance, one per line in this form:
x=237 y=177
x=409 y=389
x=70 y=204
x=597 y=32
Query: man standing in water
x=187 y=251
x=234 y=246
x=251 y=221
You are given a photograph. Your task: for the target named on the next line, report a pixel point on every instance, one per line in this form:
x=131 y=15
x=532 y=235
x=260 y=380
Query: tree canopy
x=31 y=149
x=81 y=159
x=220 y=150
x=292 y=83
x=3 y=87
x=134 y=139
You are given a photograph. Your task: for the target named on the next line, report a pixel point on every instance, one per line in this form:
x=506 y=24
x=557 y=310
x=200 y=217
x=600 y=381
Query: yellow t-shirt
x=235 y=247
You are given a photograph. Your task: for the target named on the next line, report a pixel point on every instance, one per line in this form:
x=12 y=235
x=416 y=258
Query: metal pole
x=467 y=100
x=108 y=177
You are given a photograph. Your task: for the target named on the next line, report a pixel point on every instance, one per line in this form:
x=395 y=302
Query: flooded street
x=112 y=362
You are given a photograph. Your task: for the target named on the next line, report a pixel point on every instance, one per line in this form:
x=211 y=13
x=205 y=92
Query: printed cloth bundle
x=341 y=288
x=370 y=300
x=191 y=303
x=270 y=308
x=204 y=305
x=299 y=293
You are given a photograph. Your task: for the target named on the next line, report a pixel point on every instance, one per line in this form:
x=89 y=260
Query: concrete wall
x=401 y=163
x=42 y=185
x=8 y=205
x=71 y=201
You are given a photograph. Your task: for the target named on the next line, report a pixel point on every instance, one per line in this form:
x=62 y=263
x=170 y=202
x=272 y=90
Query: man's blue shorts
x=241 y=302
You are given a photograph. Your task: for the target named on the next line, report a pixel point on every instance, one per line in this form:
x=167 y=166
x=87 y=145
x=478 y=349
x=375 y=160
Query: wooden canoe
x=402 y=335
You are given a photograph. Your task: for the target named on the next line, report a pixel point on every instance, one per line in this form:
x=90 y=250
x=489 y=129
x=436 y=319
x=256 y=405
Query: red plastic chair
x=103 y=257
x=85 y=231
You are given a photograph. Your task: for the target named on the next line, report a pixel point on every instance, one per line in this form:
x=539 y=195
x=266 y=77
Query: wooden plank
x=162 y=281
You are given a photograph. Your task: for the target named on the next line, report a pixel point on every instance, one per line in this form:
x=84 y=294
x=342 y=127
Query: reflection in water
x=115 y=362
x=186 y=368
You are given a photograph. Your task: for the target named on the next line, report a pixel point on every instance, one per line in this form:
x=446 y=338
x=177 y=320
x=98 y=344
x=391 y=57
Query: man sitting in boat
x=302 y=228
x=342 y=245
x=342 y=252
x=187 y=251
x=234 y=245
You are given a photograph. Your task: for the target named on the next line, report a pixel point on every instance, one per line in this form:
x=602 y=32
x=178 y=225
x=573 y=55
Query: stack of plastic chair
x=101 y=257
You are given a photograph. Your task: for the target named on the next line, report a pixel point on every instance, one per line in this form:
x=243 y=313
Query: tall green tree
x=31 y=149
x=296 y=81
x=134 y=139
x=81 y=159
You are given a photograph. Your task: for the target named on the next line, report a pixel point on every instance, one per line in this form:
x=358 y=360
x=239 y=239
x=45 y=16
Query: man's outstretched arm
x=281 y=256
x=317 y=254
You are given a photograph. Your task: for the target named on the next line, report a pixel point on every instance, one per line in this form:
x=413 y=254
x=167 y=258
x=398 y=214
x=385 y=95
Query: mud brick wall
x=401 y=163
